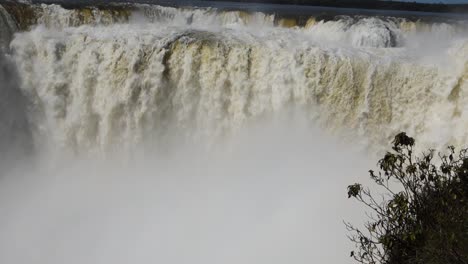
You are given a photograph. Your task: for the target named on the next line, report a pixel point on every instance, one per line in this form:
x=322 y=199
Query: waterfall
x=161 y=71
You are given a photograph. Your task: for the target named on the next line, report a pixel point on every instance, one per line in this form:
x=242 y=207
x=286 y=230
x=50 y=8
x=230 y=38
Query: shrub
x=423 y=218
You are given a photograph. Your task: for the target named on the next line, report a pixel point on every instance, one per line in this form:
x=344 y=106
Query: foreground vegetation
x=423 y=215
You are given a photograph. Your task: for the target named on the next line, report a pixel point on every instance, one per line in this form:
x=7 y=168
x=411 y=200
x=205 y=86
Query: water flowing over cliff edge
x=100 y=77
x=198 y=135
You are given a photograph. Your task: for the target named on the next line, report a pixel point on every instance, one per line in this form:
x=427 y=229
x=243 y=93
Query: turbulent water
x=168 y=86
x=120 y=76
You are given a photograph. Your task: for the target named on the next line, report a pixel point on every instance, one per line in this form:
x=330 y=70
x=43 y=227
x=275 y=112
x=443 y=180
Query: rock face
x=24 y=15
x=7 y=28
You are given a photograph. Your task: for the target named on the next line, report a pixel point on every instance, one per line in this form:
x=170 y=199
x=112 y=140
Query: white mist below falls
x=278 y=195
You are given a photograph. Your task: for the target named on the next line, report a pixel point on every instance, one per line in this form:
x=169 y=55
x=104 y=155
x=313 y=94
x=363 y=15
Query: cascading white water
x=127 y=83
x=15 y=137
x=156 y=85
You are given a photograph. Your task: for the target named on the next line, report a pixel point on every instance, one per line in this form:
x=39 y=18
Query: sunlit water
x=180 y=135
